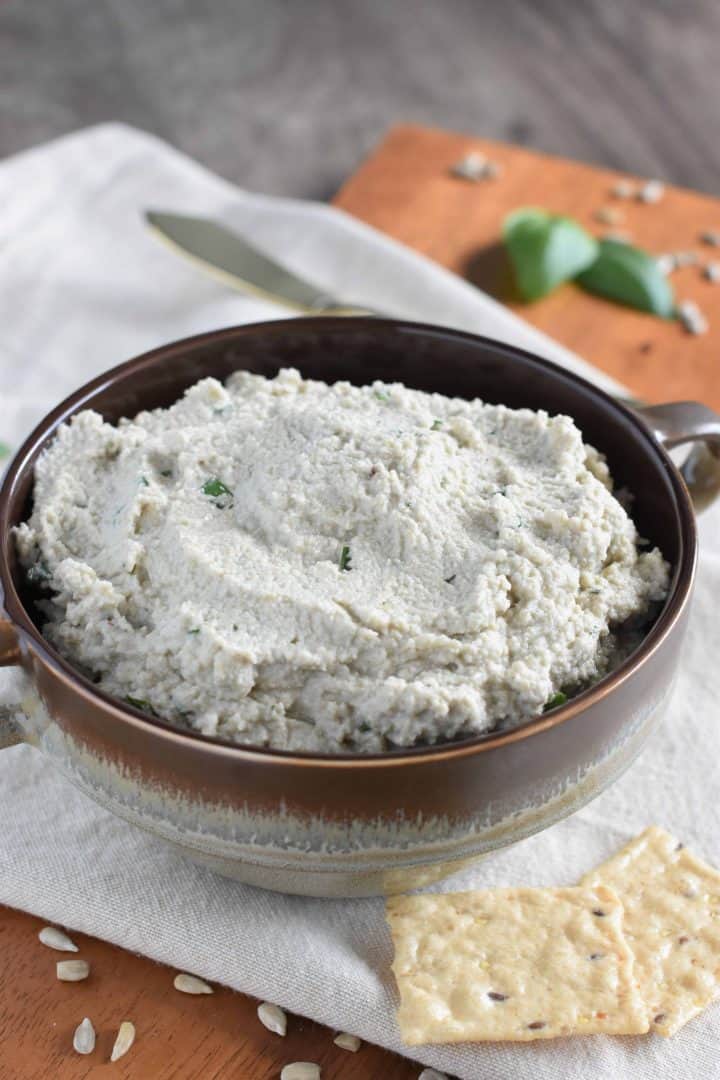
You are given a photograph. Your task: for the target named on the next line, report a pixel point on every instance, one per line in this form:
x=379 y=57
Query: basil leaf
x=629 y=276
x=215 y=488
x=546 y=250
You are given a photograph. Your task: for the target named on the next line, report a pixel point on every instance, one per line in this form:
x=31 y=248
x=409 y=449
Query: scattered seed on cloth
x=272 y=1017
x=347 y=1042
x=651 y=192
x=84 y=1037
x=711 y=237
x=712 y=272
x=123 y=1042
x=190 y=984
x=72 y=970
x=301 y=1070
x=470 y=167
x=56 y=939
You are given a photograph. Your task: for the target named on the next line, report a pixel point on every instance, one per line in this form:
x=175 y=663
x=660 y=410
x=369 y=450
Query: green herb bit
x=381 y=395
x=214 y=488
x=345 y=558
x=555 y=701
x=449 y=580
x=195 y=630
x=141 y=704
x=38 y=574
x=166 y=472
x=436 y=425
x=144 y=481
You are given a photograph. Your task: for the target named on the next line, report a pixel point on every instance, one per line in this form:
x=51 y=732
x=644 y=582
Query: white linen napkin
x=83 y=286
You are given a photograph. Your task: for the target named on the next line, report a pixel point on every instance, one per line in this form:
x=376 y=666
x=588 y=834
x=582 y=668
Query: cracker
x=672 y=924
x=514 y=964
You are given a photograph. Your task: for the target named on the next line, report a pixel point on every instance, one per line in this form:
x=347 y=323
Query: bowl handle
x=10 y=731
x=690 y=422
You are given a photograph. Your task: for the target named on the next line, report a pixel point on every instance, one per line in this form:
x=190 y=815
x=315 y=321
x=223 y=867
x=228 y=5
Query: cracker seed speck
x=72 y=970
x=347 y=1042
x=272 y=1017
x=651 y=192
x=123 y=1042
x=56 y=939
x=84 y=1037
x=190 y=984
x=301 y=1070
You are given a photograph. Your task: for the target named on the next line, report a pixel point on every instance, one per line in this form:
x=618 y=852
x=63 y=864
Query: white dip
x=298 y=565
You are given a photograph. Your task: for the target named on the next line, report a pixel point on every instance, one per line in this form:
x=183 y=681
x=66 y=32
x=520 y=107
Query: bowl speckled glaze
x=339 y=825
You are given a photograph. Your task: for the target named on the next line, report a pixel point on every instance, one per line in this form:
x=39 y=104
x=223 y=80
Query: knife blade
x=224 y=255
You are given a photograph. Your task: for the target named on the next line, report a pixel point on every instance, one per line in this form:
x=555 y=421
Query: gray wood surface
x=286 y=96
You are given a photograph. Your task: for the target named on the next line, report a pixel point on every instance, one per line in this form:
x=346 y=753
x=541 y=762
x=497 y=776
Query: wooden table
x=405 y=190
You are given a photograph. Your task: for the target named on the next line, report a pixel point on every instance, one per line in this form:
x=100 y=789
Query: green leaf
x=141 y=704
x=345 y=558
x=215 y=488
x=555 y=701
x=546 y=250
x=629 y=276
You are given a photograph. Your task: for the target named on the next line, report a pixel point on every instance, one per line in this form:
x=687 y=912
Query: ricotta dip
x=290 y=564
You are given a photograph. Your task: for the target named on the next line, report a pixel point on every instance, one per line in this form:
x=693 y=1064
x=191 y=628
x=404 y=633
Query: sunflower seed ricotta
x=286 y=563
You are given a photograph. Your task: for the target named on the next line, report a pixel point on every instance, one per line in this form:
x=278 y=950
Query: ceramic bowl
x=335 y=824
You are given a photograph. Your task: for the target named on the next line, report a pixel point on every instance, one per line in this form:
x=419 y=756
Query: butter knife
x=224 y=255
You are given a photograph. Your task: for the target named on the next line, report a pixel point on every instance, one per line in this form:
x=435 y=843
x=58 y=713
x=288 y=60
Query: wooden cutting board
x=404 y=189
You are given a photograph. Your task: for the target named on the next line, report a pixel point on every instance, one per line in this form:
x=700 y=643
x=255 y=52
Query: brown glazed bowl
x=342 y=825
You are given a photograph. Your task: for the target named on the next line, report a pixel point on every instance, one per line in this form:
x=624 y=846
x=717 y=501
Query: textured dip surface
x=287 y=563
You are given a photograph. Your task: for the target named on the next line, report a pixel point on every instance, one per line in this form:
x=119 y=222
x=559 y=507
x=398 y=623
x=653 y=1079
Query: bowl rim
x=22 y=622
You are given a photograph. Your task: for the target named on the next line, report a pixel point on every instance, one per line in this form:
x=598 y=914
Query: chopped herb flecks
x=381 y=395
x=436 y=425
x=144 y=481
x=166 y=472
x=345 y=558
x=38 y=574
x=555 y=701
x=449 y=580
x=141 y=704
x=195 y=630
x=215 y=488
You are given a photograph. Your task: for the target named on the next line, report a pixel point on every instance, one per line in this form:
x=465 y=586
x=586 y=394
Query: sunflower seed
x=623 y=189
x=55 y=939
x=651 y=192
x=72 y=970
x=272 y=1017
x=711 y=237
x=470 y=167
x=692 y=317
x=666 y=264
x=608 y=215
x=712 y=272
x=432 y=1074
x=348 y=1042
x=190 y=984
x=123 y=1042
x=84 y=1037
x=301 y=1070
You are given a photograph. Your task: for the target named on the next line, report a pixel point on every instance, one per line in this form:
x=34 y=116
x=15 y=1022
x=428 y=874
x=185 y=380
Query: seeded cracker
x=672 y=924
x=514 y=964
